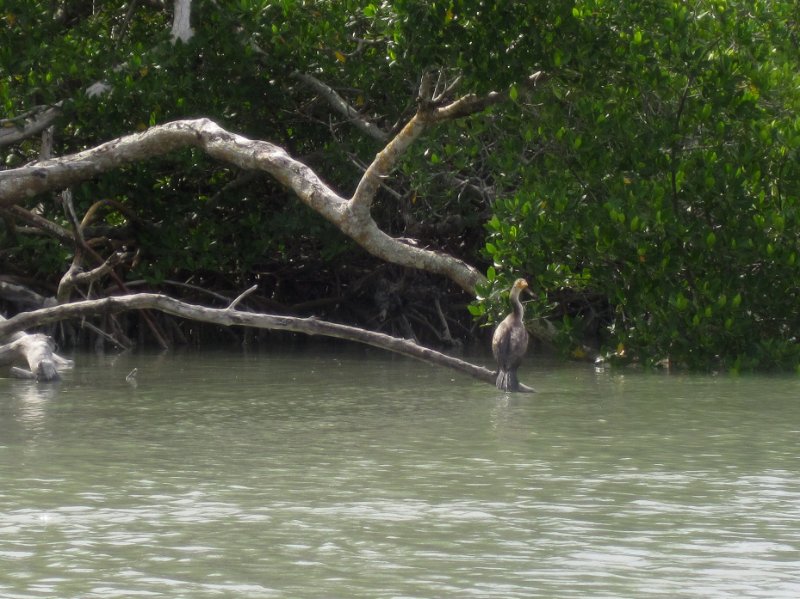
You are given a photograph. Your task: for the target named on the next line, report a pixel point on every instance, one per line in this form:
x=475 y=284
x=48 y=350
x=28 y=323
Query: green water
x=347 y=473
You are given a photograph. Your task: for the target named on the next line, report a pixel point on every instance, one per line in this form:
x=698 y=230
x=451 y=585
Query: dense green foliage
x=660 y=207
x=648 y=189
x=194 y=220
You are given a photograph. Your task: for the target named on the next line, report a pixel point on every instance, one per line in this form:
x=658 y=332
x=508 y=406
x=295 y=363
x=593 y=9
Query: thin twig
x=241 y=296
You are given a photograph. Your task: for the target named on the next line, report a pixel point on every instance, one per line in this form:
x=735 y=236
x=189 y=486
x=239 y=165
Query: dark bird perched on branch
x=510 y=341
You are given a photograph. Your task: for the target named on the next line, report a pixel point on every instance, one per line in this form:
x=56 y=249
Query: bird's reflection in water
x=503 y=414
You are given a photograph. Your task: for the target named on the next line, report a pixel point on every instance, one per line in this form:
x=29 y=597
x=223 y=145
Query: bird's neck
x=516 y=305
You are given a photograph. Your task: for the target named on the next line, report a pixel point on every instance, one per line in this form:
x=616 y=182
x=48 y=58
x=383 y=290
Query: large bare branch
x=385 y=161
x=352 y=216
x=430 y=111
x=231 y=317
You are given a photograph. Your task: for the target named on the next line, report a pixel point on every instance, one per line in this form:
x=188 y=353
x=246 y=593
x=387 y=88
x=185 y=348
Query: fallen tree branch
x=228 y=317
x=37 y=350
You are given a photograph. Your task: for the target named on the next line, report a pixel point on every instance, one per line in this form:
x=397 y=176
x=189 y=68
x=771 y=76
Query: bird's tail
x=507 y=380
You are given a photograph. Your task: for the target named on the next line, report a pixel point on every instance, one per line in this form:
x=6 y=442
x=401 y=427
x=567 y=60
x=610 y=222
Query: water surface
x=349 y=473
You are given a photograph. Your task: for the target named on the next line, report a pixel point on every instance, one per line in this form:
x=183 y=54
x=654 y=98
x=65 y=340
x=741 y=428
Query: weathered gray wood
x=21 y=373
x=37 y=350
x=228 y=317
x=23 y=296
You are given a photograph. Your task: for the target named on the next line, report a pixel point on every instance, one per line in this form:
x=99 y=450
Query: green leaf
x=681 y=303
x=476 y=309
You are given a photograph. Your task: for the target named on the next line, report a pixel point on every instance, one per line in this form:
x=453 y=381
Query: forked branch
x=352 y=216
x=27 y=181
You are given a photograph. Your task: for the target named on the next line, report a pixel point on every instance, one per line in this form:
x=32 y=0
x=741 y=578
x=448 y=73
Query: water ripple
x=268 y=483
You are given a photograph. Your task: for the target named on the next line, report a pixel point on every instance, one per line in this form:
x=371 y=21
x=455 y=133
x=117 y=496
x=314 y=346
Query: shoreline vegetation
x=394 y=167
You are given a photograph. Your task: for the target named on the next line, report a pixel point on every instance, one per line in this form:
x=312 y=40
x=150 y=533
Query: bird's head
x=518 y=287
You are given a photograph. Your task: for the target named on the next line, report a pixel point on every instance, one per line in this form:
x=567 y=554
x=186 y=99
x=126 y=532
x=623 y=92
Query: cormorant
x=510 y=341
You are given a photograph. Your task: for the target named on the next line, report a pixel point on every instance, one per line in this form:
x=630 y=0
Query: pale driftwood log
x=37 y=351
x=231 y=317
x=351 y=216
